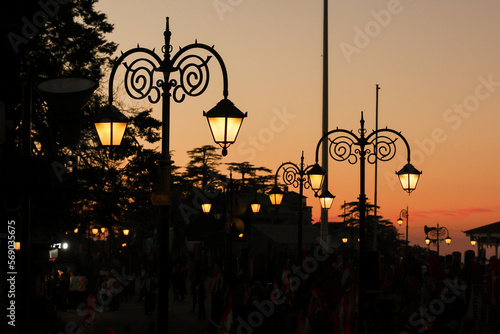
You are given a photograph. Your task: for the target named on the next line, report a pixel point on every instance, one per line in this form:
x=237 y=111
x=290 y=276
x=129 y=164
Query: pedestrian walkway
x=131 y=318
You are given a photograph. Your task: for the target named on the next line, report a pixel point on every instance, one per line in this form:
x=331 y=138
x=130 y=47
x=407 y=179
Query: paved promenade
x=131 y=318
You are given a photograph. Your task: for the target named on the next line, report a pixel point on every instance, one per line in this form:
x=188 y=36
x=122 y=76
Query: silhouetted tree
x=258 y=178
x=70 y=182
x=202 y=166
x=387 y=234
x=71 y=43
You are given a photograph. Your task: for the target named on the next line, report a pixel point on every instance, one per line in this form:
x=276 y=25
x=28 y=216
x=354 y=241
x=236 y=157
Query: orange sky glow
x=437 y=64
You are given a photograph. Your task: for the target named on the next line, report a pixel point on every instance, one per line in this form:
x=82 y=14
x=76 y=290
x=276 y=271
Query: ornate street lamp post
x=141 y=82
x=436 y=235
x=296 y=176
x=404 y=214
x=345 y=145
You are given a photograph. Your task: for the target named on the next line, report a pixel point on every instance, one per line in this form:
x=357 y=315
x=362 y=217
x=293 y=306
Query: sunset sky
x=437 y=63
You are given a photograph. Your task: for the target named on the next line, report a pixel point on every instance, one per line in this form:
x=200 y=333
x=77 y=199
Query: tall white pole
x=324 y=213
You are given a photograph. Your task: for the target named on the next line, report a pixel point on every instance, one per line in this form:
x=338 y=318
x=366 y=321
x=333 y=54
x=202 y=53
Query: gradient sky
x=437 y=63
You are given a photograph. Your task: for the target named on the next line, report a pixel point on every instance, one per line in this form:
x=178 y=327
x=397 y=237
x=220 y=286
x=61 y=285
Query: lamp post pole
x=193 y=79
x=407 y=218
x=296 y=176
x=64 y=96
x=437 y=238
x=345 y=145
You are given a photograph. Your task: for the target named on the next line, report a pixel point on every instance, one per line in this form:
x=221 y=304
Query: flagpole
x=375 y=220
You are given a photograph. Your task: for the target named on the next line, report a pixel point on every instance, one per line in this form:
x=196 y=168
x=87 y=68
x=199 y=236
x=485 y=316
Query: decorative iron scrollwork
x=345 y=145
x=193 y=77
x=192 y=73
x=341 y=148
x=292 y=176
x=140 y=82
x=384 y=149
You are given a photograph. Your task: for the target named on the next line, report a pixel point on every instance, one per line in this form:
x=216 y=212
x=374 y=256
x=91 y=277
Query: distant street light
x=205 y=207
x=316 y=177
x=141 y=83
x=296 y=176
x=345 y=145
x=255 y=206
x=276 y=195
x=404 y=214
x=436 y=235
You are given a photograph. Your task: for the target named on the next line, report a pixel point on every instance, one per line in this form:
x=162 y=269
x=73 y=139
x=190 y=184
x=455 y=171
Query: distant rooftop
x=493 y=228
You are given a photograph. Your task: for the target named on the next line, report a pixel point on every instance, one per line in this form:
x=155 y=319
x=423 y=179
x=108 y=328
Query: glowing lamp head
x=276 y=195
x=344 y=240
x=316 y=176
x=427 y=241
x=473 y=242
x=255 y=206
x=400 y=221
x=326 y=200
x=408 y=176
x=110 y=125
x=205 y=207
x=126 y=231
x=225 y=121
x=447 y=240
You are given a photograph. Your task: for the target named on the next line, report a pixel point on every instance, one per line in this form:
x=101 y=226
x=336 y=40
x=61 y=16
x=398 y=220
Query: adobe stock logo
x=30 y=28
x=224 y=6
x=200 y=197
x=453 y=118
x=453 y=289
